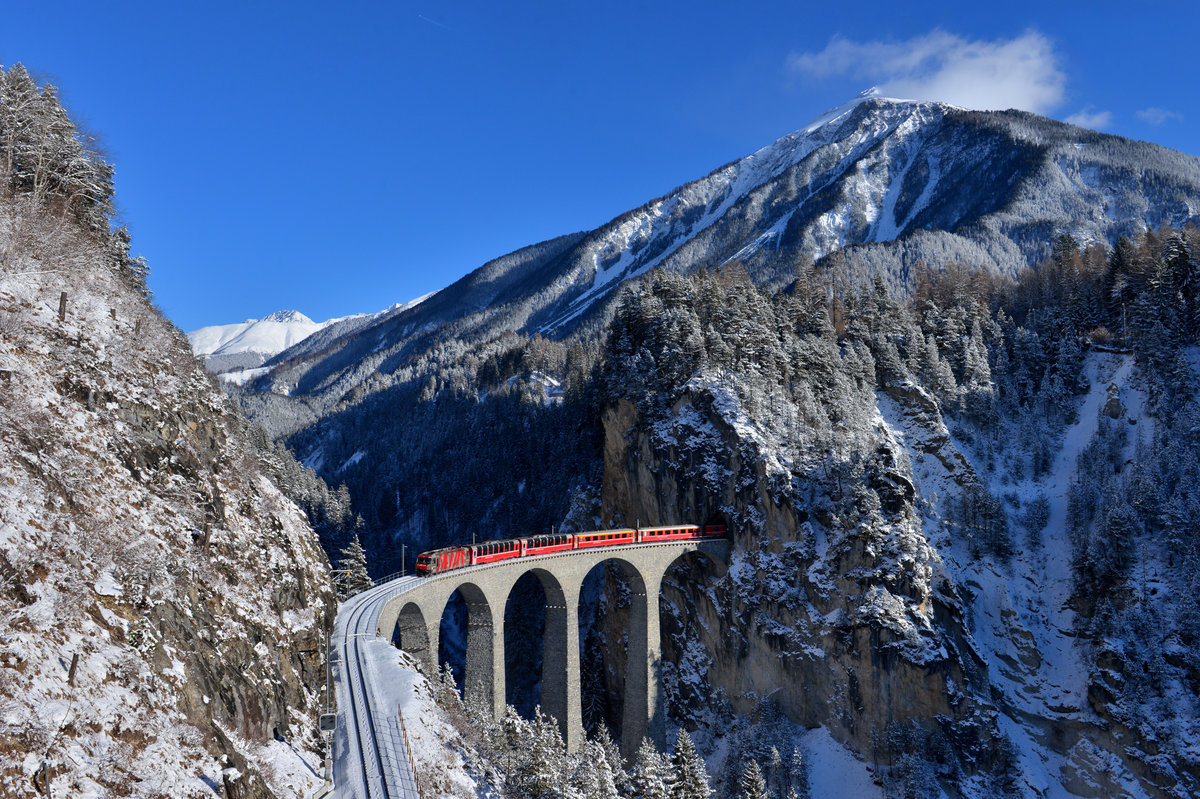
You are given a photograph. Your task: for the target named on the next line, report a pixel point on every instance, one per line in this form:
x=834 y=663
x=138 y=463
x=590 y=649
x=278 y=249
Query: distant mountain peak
x=287 y=317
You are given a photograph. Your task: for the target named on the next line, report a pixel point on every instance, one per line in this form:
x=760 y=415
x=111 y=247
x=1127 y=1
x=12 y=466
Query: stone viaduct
x=412 y=620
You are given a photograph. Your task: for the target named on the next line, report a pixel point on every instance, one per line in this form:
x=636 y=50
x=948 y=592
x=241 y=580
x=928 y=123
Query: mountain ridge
x=876 y=186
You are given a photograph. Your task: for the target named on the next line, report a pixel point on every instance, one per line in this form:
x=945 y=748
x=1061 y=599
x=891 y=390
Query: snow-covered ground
x=1019 y=612
x=834 y=771
x=117 y=627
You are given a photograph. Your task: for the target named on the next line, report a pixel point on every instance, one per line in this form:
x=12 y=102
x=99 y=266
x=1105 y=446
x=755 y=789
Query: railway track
x=374 y=763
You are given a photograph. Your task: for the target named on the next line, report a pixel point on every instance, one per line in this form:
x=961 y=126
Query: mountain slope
x=161 y=602
x=890 y=463
x=267 y=336
x=884 y=184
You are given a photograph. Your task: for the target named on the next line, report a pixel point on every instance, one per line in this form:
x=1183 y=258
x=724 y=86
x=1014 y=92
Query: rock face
x=854 y=632
x=163 y=603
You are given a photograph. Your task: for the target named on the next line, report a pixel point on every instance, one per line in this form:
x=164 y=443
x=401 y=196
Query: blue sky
x=337 y=158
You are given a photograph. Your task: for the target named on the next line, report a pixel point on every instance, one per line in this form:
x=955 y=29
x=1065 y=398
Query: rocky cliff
x=164 y=605
x=877 y=591
x=846 y=627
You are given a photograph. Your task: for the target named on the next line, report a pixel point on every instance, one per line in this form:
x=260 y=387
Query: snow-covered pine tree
x=46 y=156
x=649 y=777
x=353 y=578
x=593 y=778
x=508 y=739
x=775 y=771
x=541 y=769
x=752 y=785
x=689 y=777
x=448 y=695
x=977 y=392
x=612 y=754
x=798 y=772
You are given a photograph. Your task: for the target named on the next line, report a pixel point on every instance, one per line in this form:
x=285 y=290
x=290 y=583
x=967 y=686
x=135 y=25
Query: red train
x=440 y=560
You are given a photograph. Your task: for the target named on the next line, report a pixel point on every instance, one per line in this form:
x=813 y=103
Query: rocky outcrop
x=164 y=605
x=845 y=623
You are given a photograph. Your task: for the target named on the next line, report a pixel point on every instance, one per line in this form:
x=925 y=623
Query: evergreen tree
x=612 y=754
x=752 y=785
x=936 y=375
x=977 y=396
x=354 y=578
x=798 y=772
x=593 y=777
x=775 y=772
x=537 y=766
x=449 y=686
x=649 y=778
x=689 y=777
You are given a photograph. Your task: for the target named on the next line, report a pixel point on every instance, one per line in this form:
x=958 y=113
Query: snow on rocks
x=141 y=556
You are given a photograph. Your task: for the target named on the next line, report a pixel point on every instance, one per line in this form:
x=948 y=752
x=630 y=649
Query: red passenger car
x=606 y=538
x=651 y=535
x=494 y=551
x=546 y=544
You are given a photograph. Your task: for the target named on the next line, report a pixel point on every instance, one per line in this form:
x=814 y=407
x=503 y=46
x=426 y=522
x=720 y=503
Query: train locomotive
x=449 y=558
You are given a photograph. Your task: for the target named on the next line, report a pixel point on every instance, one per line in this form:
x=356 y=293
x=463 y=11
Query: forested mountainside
x=967 y=541
x=163 y=604
x=965 y=526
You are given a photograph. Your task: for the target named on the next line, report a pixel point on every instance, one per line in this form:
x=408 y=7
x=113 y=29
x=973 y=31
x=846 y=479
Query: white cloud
x=1089 y=118
x=1157 y=116
x=997 y=74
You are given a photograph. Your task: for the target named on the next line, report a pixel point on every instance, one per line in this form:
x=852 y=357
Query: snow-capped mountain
x=874 y=187
x=266 y=336
x=230 y=350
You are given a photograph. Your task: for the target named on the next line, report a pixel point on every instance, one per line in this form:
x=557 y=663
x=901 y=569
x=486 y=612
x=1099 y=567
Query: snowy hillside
x=265 y=336
x=161 y=602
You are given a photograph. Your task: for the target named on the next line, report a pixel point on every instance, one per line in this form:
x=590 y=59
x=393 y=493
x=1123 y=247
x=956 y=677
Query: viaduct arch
x=412 y=620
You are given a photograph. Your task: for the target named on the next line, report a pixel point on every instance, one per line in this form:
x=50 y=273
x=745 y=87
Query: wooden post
x=71 y=673
x=62 y=306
